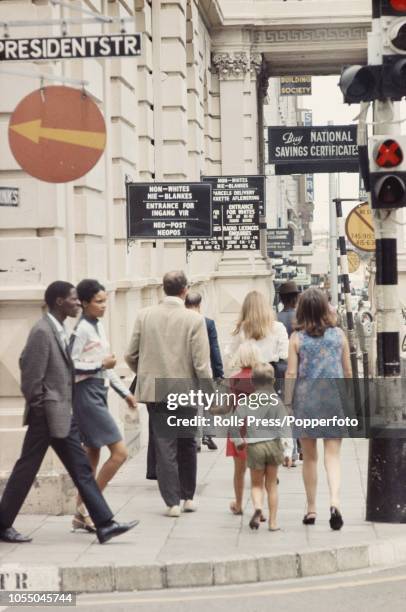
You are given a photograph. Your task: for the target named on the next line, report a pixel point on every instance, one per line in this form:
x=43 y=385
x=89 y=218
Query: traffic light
x=392 y=14
x=387 y=79
x=387 y=166
x=360 y=83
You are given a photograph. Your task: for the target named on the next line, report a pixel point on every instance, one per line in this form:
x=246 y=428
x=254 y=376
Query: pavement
x=210 y=546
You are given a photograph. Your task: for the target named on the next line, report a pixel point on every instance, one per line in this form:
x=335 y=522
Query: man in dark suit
x=193 y=301
x=47 y=384
x=289 y=296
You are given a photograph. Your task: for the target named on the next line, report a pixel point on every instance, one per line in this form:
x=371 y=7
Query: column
x=240 y=74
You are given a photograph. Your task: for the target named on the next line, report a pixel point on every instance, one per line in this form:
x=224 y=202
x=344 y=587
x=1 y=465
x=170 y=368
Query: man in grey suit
x=47 y=384
x=169 y=349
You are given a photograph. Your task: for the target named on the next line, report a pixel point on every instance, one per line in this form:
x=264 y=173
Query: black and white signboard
x=302 y=150
x=70 y=47
x=279 y=239
x=9 y=196
x=238 y=202
x=169 y=210
x=298 y=85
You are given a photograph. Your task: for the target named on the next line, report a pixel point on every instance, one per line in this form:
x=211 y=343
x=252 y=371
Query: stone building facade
x=190 y=105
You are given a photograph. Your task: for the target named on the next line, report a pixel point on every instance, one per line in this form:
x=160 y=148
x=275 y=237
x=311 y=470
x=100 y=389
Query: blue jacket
x=215 y=355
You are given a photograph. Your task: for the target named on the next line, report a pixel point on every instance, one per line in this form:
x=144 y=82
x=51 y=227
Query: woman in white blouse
x=256 y=323
x=94 y=374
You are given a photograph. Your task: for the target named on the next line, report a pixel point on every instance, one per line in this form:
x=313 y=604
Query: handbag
x=133 y=385
x=280 y=368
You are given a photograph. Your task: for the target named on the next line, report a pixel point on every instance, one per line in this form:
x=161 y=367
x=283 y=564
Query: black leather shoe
x=113 y=529
x=336 y=520
x=209 y=442
x=11 y=535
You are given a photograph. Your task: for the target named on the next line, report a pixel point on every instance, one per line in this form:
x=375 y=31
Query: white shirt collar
x=59 y=326
x=173 y=299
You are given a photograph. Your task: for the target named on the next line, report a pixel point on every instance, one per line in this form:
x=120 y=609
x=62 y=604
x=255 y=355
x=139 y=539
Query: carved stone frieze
x=322 y=34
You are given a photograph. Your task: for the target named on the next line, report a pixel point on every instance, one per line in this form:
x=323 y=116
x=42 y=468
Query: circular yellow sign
x=354 y=261
x=359 y=228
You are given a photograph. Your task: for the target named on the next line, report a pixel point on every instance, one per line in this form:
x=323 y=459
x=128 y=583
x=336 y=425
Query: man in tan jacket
x=169 y=351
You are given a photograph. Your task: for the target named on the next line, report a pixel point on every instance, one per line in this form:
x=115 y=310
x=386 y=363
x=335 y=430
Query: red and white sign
x=57 y=134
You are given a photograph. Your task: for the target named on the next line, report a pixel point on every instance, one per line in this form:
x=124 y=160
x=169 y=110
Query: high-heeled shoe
x=309 y=518
x=336 y=519
x=82 y=520
x=255 y=519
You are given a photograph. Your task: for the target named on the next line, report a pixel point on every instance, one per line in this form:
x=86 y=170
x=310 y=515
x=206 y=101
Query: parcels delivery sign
x=70 y=47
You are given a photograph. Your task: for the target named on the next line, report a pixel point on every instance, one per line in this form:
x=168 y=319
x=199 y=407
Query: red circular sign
x=57 y=134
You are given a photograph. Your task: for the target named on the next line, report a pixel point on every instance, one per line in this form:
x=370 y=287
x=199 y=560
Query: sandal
x=309 y=518
x=82 y=520
x=274 y=529
x=233 y=508
x=255 y=519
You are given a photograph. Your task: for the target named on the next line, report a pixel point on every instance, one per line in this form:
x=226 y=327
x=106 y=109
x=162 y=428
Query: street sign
x=57 y=134
x=354 y=261
x=279 y=239
x=169 y=210
x=238 y=201
x=306 y=149
x=70 y=47
x=9 y=196
x=296 y=85
x=360 y=229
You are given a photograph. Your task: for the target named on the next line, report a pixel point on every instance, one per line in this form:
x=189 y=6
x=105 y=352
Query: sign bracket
x=32 y=23
x=43 y=77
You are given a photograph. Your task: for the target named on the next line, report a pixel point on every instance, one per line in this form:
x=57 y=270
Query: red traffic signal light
x=387 y=167
x=398 y=5
x=389 y=7
x=388 y=154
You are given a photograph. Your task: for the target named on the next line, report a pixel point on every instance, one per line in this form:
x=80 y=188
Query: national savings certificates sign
x=303 y=150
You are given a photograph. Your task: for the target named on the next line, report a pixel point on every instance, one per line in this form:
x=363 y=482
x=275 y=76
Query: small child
x=247 y=357
x=266 y=448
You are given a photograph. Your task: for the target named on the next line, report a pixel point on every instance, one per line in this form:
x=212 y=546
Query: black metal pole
x=345 y=278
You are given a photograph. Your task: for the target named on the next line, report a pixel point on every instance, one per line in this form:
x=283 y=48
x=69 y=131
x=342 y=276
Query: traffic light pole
x=386 y=493
x=332 y=182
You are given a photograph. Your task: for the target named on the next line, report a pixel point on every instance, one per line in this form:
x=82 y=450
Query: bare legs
x=257 y=494
x=271 y=486
x=309 y=450
x=118 y=455
x=240 y=466
x=257 y=486
x=332 y=447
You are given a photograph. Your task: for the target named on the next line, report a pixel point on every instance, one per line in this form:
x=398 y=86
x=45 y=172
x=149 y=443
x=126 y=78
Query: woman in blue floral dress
x=318 y=362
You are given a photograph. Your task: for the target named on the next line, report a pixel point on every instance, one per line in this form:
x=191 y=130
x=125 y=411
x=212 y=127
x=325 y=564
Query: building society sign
x=308 y=149
x=68 y=47
x=296 y=86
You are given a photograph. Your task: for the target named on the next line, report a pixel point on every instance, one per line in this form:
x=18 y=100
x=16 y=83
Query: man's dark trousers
x=69 y=450
x=176 y=459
